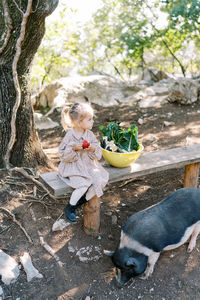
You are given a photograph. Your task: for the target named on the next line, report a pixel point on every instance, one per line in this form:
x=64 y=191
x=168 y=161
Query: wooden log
x=91 y=217
x=191 y=175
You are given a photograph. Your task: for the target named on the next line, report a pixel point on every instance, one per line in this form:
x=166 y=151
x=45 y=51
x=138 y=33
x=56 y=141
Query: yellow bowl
x=121 y=160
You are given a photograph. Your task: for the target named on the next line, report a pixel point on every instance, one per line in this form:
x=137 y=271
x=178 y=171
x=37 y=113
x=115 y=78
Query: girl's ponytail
x=65 y=118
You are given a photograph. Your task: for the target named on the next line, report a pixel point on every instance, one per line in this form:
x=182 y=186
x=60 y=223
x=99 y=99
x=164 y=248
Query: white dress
x=81 y=168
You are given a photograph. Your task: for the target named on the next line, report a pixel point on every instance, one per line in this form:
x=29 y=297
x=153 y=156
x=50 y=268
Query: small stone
x=169 y=114
x=166 y=123
x=71 y=248
x=31 y=271
x=140 y=121
x=9 y=270
x=108 y=213
x=60 y=225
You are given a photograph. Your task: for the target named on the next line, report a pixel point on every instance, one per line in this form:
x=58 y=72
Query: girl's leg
x=76 y=195
x=90 y=193
x=69 y=211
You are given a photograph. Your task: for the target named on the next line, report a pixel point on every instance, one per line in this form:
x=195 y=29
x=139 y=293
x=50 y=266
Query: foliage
x=122 y=37
x=58 y=51
x=184 y=16
x=127 y=31
x=123 y=138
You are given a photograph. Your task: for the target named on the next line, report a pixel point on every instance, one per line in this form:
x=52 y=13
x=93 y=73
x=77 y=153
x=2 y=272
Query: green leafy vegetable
x=123 y=138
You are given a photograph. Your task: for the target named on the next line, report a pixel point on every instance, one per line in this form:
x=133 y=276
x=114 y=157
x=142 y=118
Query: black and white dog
x=163 y=226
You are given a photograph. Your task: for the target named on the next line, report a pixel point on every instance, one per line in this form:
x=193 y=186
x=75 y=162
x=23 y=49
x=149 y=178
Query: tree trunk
x=26 y=149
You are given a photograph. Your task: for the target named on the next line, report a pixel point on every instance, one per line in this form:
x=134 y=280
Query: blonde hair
x=70 y=116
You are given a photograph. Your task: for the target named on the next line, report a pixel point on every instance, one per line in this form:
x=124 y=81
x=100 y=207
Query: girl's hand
x=77 y=147
x=90 y=149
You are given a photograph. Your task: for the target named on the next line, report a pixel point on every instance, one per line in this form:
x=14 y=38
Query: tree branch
x=16 y=83
x=174 y=56
x=49 y=249
x=8 y=23
x=166 y=45
x=116 y=69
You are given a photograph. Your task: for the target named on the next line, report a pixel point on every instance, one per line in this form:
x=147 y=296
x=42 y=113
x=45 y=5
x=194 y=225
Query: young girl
x=79 y=167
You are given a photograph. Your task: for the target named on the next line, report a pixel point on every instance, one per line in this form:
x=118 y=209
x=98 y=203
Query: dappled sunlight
x=142 y=189
x=76 y=292
x=192 y=262
x=109 y=275
x=174 y=131
x=134 y=167
x=170 y=132
x=60 y=239
x=175 y=136
x=51 y=151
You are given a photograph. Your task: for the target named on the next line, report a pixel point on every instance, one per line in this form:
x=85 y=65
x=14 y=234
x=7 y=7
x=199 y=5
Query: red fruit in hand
x=85 y=144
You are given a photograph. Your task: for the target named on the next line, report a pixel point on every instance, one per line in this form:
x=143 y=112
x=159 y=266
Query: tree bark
x=26 y=150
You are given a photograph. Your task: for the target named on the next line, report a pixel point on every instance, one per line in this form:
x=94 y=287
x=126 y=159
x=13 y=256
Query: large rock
x=44 y=122
x=153 y=96
x=99 y=89
x=103 y=90
x=184 y=91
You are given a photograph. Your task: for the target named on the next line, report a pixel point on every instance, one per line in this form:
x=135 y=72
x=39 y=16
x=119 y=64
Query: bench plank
x=157 y=161
x=53 y=181
x=146 y=164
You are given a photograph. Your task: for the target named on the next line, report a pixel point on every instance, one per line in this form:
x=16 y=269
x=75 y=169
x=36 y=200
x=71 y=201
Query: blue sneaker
x=69 y=213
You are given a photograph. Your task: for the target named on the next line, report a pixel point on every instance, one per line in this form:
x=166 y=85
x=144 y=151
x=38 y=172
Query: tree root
x=26 y=175
x=35 y=201
x=15 y=183
x=18 y=223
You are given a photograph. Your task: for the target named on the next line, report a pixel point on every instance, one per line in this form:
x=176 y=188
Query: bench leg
x=91 y=213
x=191 y=175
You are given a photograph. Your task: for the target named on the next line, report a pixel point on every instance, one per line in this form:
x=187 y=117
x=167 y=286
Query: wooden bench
x=187 y=156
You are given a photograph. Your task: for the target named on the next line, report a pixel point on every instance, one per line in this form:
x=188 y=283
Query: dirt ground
x=87 y=273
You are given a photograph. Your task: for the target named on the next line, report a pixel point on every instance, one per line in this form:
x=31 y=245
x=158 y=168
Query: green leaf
x=124 y=138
